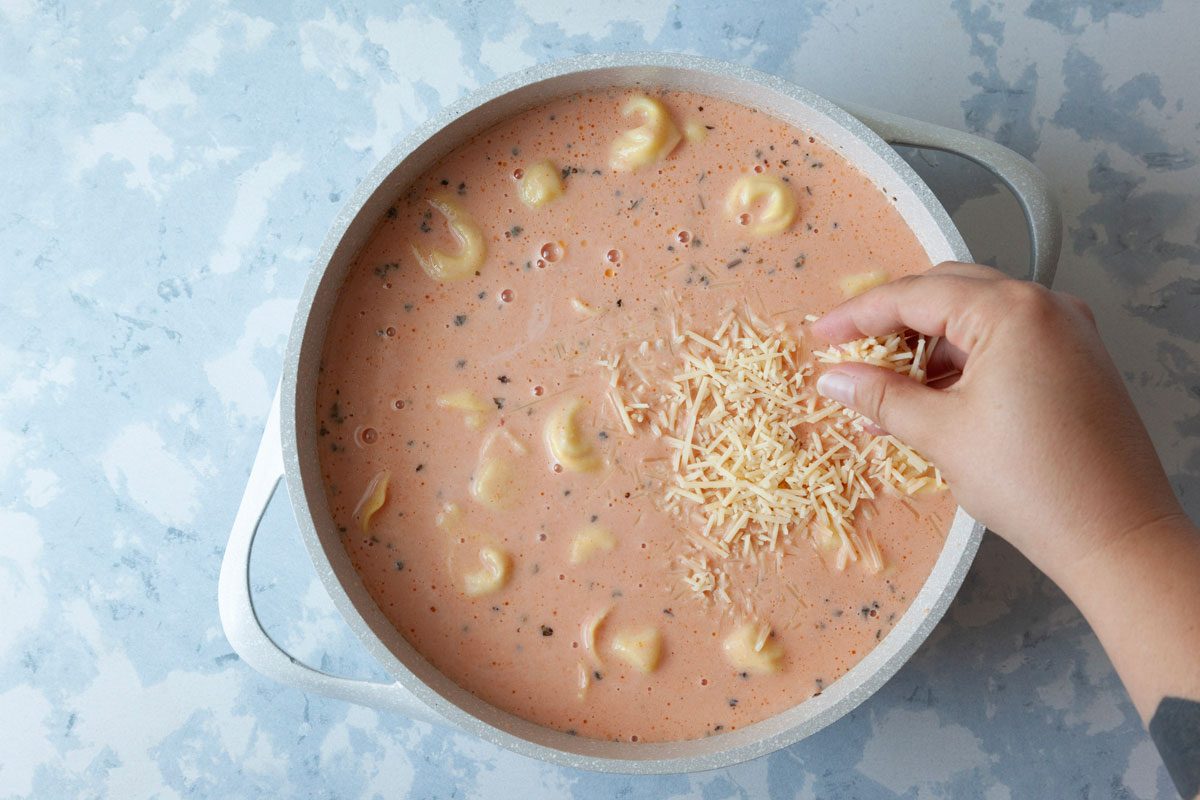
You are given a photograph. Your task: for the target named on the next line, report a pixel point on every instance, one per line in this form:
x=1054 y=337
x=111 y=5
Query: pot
x=288 y=450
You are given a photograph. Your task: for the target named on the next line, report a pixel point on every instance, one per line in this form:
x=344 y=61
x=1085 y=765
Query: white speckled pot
x=289 y=445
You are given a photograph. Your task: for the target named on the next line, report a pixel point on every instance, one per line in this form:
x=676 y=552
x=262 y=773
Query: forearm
x=1141 y=595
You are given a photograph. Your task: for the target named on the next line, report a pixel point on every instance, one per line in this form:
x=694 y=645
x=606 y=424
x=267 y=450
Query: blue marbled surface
x=169 y=171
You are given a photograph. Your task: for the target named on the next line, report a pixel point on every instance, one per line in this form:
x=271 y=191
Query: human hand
x=1025 y=413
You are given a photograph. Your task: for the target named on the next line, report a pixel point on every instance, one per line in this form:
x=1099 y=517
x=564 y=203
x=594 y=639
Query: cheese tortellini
x=494 y=484
x=443 y=266
x=589 y=541
x=854 y=285
x=587 y=634
x=777 y=209
x=450 y=518
x=372 y=500
x=567 y=442
x=750 y=649
x=694 y=132
x=649 y=142
x=640 y=648
x=492 y=576
x=469 y=403
x=540 y=184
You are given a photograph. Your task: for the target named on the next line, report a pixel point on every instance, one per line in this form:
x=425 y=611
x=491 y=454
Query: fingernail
x=836 y=386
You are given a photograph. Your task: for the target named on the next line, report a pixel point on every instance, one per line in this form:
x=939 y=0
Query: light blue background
x=167 y=174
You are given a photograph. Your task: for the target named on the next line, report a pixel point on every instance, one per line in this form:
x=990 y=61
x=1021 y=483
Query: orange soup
x=567 y=426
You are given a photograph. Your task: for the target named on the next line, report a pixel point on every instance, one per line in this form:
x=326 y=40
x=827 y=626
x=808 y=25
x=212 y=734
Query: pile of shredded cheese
x=758 y=458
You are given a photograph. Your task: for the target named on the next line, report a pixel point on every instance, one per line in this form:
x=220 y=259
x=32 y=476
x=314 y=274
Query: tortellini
x=694 y=132
x=494 y=484
x=567 y=442
x=469 y=403
x=583 y=678
x=649 y=142
x=540 y=184
x=450 y=518
x=587 y=634
x=492 y=576
x=583 y=308
x=777 y=209
x=751 y=649
x=372 y=500
x=639 y=648
x=854 y=285
x=443 y=266
x=589 y=541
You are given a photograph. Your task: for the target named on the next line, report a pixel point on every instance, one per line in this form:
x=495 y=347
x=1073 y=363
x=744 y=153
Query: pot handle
x=242 y=628
x=1027 y=183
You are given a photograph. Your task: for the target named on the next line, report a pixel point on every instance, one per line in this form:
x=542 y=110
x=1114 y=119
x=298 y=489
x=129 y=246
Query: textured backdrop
x=167 y=175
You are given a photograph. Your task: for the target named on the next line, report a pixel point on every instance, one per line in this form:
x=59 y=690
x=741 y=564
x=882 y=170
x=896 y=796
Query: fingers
x=932 y=304
x=895 y=402
x=944 y=359
x=924 y=303
x=966 y=270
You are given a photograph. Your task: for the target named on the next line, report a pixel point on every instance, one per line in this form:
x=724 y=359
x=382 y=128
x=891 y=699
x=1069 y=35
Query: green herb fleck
x=383 y=269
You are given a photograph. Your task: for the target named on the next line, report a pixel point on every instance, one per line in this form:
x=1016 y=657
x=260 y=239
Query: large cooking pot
x=289 y=444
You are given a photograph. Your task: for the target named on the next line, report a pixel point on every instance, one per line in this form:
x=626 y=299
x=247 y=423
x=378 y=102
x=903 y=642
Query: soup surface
x=527 y=543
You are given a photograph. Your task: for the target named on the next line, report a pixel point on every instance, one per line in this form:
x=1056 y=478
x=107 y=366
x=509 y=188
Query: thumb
x=902 y=406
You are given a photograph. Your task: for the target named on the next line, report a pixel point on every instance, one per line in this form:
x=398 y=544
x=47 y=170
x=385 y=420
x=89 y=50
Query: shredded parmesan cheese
x=758 y=458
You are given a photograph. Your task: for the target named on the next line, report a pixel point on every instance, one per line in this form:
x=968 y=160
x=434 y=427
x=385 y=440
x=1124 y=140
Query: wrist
x=1139 y=592
x=1111 y=544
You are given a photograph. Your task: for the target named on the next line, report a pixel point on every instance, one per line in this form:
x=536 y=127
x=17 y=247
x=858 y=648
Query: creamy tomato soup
x=501 y=418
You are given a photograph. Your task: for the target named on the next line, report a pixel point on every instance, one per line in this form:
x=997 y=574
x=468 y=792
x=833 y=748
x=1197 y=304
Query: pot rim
x=518 y=735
